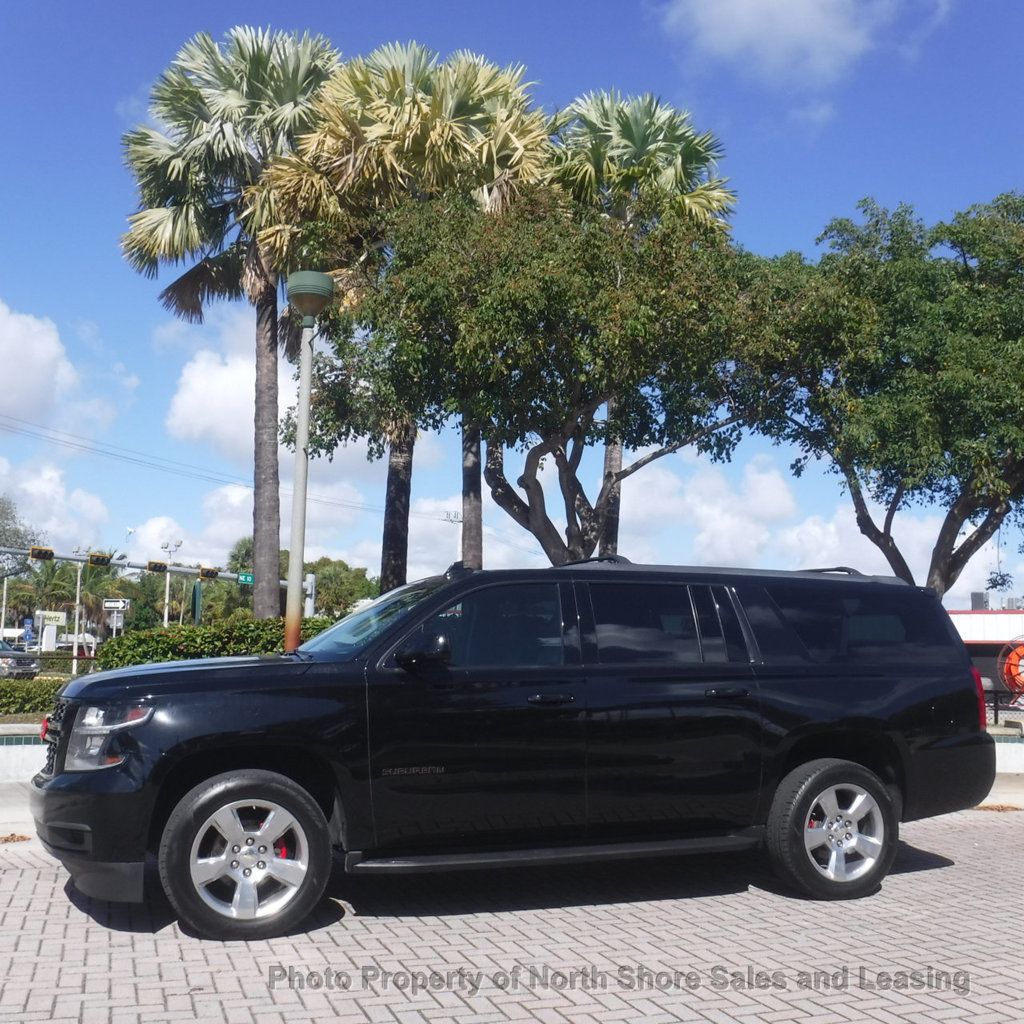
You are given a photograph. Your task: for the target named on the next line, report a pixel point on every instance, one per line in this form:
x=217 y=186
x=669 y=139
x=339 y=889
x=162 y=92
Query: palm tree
x=44 y=585
x=224 y=112
x=401 y=123
x=99 y=583
x=628 y=156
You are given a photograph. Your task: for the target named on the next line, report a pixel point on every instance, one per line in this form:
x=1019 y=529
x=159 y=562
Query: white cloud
x=797 y=42
x=815 y=114
x=731 y=525
x=44 y=386
x=38 y=371
x=213 y=402
x=66 y=516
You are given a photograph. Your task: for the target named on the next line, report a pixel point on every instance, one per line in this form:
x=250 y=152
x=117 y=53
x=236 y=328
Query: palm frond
x=224 y=111
x=612 y=149
x=213 y=277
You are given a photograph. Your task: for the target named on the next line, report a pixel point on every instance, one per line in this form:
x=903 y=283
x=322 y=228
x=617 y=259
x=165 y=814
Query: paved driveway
x=717 y=939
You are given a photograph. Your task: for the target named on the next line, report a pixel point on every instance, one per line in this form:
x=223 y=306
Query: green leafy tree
x=544 y=313
x=223 y=113
x=632 y=158
x=402 y=123
x=13 y=534
x=908 y=340
x=339 y=586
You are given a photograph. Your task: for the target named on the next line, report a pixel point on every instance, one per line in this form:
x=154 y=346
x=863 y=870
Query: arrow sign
x=115 y=604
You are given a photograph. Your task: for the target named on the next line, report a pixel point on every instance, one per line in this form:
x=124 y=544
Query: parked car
x=596 y=710
x=16 y=664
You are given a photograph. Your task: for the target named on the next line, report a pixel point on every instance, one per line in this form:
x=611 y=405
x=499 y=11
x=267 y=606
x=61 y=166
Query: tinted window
x=355 y=632
x=644 y=622
x=518 y=625
x=835 y=624
x=721 y=638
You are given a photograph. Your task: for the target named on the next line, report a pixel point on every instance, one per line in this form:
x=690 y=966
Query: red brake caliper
x=280 y=850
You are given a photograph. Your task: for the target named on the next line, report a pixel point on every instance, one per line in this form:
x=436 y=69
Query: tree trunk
x=395 y=547
x=472 y=506
x=266 y=507
x=612 y=464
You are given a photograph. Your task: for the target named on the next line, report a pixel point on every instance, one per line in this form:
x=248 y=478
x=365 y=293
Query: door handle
x=551 y=699
x=727 y=691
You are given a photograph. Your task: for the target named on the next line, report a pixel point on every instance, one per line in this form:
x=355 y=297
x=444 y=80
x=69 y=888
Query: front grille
x=54 y=732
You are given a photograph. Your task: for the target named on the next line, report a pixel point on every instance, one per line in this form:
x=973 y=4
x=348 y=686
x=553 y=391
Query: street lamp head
x=309 y=292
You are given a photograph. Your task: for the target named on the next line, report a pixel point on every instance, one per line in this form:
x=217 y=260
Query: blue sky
x=817 y=102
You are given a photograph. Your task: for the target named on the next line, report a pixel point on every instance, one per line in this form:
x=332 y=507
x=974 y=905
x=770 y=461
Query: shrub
x=241 y=636
x=28 y=696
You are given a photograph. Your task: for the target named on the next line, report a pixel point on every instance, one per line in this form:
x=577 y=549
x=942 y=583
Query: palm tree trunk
x=612 y=464
x=395 y=547
x=472 y=506
x=266 y=507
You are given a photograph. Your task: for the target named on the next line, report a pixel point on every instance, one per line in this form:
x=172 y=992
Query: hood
x=141 y=681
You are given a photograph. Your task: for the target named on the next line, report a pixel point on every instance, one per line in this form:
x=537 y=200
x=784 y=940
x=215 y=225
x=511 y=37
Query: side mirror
x=423 y=651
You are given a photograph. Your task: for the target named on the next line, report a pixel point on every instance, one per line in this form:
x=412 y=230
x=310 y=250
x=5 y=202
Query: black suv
x=595 y=710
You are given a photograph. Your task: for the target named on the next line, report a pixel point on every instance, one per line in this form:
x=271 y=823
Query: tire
x=820 y=856
x=225 y=882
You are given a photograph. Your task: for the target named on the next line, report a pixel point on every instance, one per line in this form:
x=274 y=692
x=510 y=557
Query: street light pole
x=309 y=293
x=171 y=550
x=3 y=612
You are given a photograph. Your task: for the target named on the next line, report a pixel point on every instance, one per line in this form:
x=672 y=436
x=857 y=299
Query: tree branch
x=897 y=498
x=867 y=526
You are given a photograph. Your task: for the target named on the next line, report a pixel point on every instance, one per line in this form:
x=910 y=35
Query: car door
x=488 y=750
x=674 y=729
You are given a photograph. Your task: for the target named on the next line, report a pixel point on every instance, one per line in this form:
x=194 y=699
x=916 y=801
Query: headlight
x=93 y=742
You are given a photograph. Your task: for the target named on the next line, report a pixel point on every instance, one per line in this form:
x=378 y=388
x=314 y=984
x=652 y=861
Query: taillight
x=44 y=728
x=980 y=692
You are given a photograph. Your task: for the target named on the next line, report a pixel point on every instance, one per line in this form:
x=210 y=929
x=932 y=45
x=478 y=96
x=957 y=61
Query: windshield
x=4 y=646
x=361 y=628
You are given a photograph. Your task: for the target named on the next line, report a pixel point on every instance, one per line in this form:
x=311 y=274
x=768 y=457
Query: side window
x=840 y=625
x=513 y=626
x=644 y=622
x=721 y=638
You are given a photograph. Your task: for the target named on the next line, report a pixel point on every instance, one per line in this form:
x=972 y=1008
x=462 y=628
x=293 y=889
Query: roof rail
x=614 y=559
x=837 y=568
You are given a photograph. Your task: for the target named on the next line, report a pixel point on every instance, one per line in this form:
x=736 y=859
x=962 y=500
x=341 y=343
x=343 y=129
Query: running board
x=357 y=861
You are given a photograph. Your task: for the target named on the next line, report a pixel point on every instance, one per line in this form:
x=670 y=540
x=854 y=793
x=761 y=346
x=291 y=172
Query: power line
x=146 y=460
x=47 y=435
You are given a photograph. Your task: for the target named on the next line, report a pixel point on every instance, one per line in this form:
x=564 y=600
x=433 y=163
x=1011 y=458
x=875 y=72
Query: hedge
x=28 y=696
x=247 y=636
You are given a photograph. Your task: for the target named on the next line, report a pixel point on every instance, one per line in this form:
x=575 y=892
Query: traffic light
x=98 y=559
x=41 y=554
x=208 y=574
x=156 y=567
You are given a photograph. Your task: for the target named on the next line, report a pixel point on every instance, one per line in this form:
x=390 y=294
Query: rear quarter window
x=831 y=624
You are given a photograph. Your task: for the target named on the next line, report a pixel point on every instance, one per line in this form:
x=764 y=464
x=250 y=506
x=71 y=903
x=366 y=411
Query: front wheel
x=245 y=855
x=832 y=829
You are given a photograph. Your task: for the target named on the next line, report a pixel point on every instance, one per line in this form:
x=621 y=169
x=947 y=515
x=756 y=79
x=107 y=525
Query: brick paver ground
x=719 y=920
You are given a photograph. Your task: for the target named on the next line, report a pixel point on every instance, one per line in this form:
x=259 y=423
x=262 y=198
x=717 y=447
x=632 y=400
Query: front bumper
x=94 y=823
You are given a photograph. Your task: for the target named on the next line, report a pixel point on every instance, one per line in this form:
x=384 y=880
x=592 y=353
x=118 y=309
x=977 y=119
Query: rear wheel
x=832 y=830
x=245 y=855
